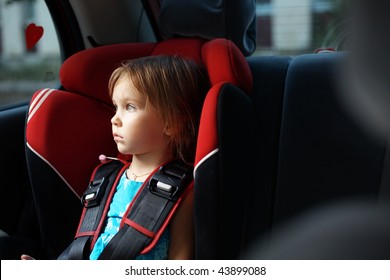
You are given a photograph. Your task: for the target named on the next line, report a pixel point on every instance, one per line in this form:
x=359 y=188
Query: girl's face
x=137 y=129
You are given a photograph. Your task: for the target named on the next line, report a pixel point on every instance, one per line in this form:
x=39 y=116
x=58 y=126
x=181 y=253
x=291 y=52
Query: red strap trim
x=140 y=228
x=85 y=233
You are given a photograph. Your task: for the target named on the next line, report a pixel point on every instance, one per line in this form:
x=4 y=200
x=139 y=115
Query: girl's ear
x=168 y=131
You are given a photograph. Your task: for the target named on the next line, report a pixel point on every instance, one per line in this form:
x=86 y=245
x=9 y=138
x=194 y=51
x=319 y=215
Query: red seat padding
x=225 y=63
x=87 y=72
x=64 y=129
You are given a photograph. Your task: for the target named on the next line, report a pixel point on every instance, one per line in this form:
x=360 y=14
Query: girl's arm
x=182 y=231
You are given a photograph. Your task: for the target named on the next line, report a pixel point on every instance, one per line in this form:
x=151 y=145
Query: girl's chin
x=123 y=150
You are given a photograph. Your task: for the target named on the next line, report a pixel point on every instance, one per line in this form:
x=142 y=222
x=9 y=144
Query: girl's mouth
x=117 y=137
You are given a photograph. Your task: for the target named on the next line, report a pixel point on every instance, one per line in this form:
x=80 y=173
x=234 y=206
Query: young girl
x=157 y=101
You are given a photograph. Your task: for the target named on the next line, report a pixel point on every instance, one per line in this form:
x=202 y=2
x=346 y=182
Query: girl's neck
x=145 y=163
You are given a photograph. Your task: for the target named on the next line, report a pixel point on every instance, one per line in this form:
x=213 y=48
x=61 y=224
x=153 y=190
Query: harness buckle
x=164 y=186
x=94 y=193
x=170 y=181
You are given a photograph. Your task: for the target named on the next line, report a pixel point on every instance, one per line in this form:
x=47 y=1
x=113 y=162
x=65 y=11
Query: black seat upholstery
x=313 y=160
x=269 y=74
x=325 y=154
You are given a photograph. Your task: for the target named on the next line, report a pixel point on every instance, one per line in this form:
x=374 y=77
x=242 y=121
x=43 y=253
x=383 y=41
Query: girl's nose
x=115 y=120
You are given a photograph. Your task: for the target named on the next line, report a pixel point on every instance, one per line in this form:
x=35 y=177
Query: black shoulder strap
x=94 y=200
x=149 y=211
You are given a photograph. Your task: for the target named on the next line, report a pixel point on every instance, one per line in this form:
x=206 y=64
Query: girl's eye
x=130 y=108
x=115 y=107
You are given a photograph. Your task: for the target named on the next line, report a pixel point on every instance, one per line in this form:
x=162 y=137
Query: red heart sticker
x=33 y=35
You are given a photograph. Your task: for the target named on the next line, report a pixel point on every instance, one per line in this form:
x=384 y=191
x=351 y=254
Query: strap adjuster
x=94 y=193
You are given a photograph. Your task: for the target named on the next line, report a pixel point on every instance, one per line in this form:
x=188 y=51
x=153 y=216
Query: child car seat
x=68 y=128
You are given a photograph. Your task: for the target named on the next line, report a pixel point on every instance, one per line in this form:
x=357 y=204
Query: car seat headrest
x=188 y=47
x=225 y=63
x=87 y=72
x=222 y=59
x=230 y=19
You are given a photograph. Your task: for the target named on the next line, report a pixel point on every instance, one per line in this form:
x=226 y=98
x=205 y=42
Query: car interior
x=284 y=167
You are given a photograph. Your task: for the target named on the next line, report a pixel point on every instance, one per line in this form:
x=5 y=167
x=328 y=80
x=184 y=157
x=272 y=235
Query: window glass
x=29 y=50
x=290 y=27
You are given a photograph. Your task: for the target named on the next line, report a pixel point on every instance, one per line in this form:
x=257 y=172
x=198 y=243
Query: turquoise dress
x=124 y=194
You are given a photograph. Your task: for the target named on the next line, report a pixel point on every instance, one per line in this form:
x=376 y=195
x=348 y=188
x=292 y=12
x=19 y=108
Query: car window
x=30 y=54
x=286 y=27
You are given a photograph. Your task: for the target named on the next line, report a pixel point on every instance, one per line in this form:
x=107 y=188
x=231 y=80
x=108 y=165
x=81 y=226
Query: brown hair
x=175 y=86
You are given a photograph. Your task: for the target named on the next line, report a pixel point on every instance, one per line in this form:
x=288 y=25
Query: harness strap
x=146 y=218
x=94 y=200
x=150 y=211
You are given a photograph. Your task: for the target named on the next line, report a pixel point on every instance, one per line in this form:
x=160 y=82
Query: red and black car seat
x=68 y=128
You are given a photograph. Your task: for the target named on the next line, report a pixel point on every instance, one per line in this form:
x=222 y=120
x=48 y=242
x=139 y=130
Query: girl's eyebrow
x=137 y=101
x=129 y=99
